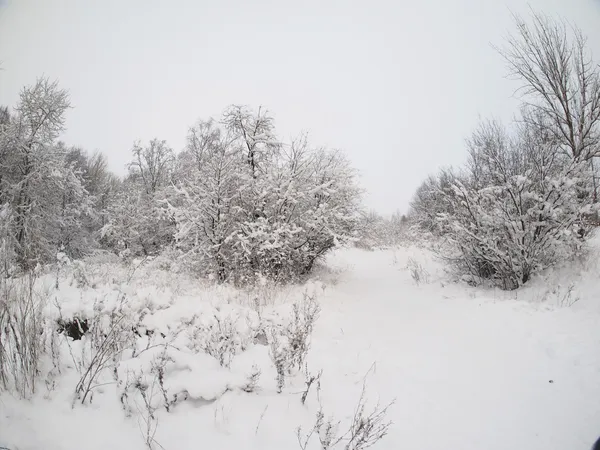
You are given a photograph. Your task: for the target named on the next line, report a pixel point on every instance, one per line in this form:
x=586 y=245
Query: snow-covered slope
x=469 y=369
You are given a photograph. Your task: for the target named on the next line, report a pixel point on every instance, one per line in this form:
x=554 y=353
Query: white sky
x=397 y=84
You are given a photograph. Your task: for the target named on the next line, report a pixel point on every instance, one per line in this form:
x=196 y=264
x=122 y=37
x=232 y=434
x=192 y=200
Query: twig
x=260 y=420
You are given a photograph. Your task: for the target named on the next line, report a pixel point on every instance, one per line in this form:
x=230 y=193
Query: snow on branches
x=525 y=198
x=246 y=205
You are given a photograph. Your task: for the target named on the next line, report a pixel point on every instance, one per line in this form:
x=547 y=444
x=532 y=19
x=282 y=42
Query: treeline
x=235 y=204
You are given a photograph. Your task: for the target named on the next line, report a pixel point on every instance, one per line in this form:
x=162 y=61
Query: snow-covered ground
x=468 y=368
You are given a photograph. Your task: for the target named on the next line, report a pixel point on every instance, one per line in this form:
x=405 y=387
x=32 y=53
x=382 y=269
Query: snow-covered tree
x=152 y=165
x=136 y=219
x=429 y=203
x=5 y=149
x=237 y=202
x=206 y=204
x=43 y=194
x=254 y=136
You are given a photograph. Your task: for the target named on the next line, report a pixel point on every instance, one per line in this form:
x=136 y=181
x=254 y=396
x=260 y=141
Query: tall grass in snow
x=21 y=334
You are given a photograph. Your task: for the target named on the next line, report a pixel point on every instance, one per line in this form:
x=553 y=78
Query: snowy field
x=466 y=368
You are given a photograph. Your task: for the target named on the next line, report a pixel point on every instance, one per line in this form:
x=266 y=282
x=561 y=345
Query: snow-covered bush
x=137 y=222
x=517 y=210
x=247 y=206
x=429 y=203
x=522 y=201
x=376 y=231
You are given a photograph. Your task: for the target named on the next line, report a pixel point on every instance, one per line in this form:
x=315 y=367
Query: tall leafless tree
x=560 y=81
x=152 y=164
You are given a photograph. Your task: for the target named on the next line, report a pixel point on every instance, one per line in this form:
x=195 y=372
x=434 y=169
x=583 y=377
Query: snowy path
x=466 y=373
x=469 y=369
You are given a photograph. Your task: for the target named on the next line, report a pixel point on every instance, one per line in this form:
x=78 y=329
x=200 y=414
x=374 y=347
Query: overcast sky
x=397 y=84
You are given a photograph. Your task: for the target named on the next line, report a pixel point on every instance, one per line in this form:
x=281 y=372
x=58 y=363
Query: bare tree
x=152 y=164
x=201 y=139
x=560 y=81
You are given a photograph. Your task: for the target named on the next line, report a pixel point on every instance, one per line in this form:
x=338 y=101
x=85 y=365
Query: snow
x=468 y=368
